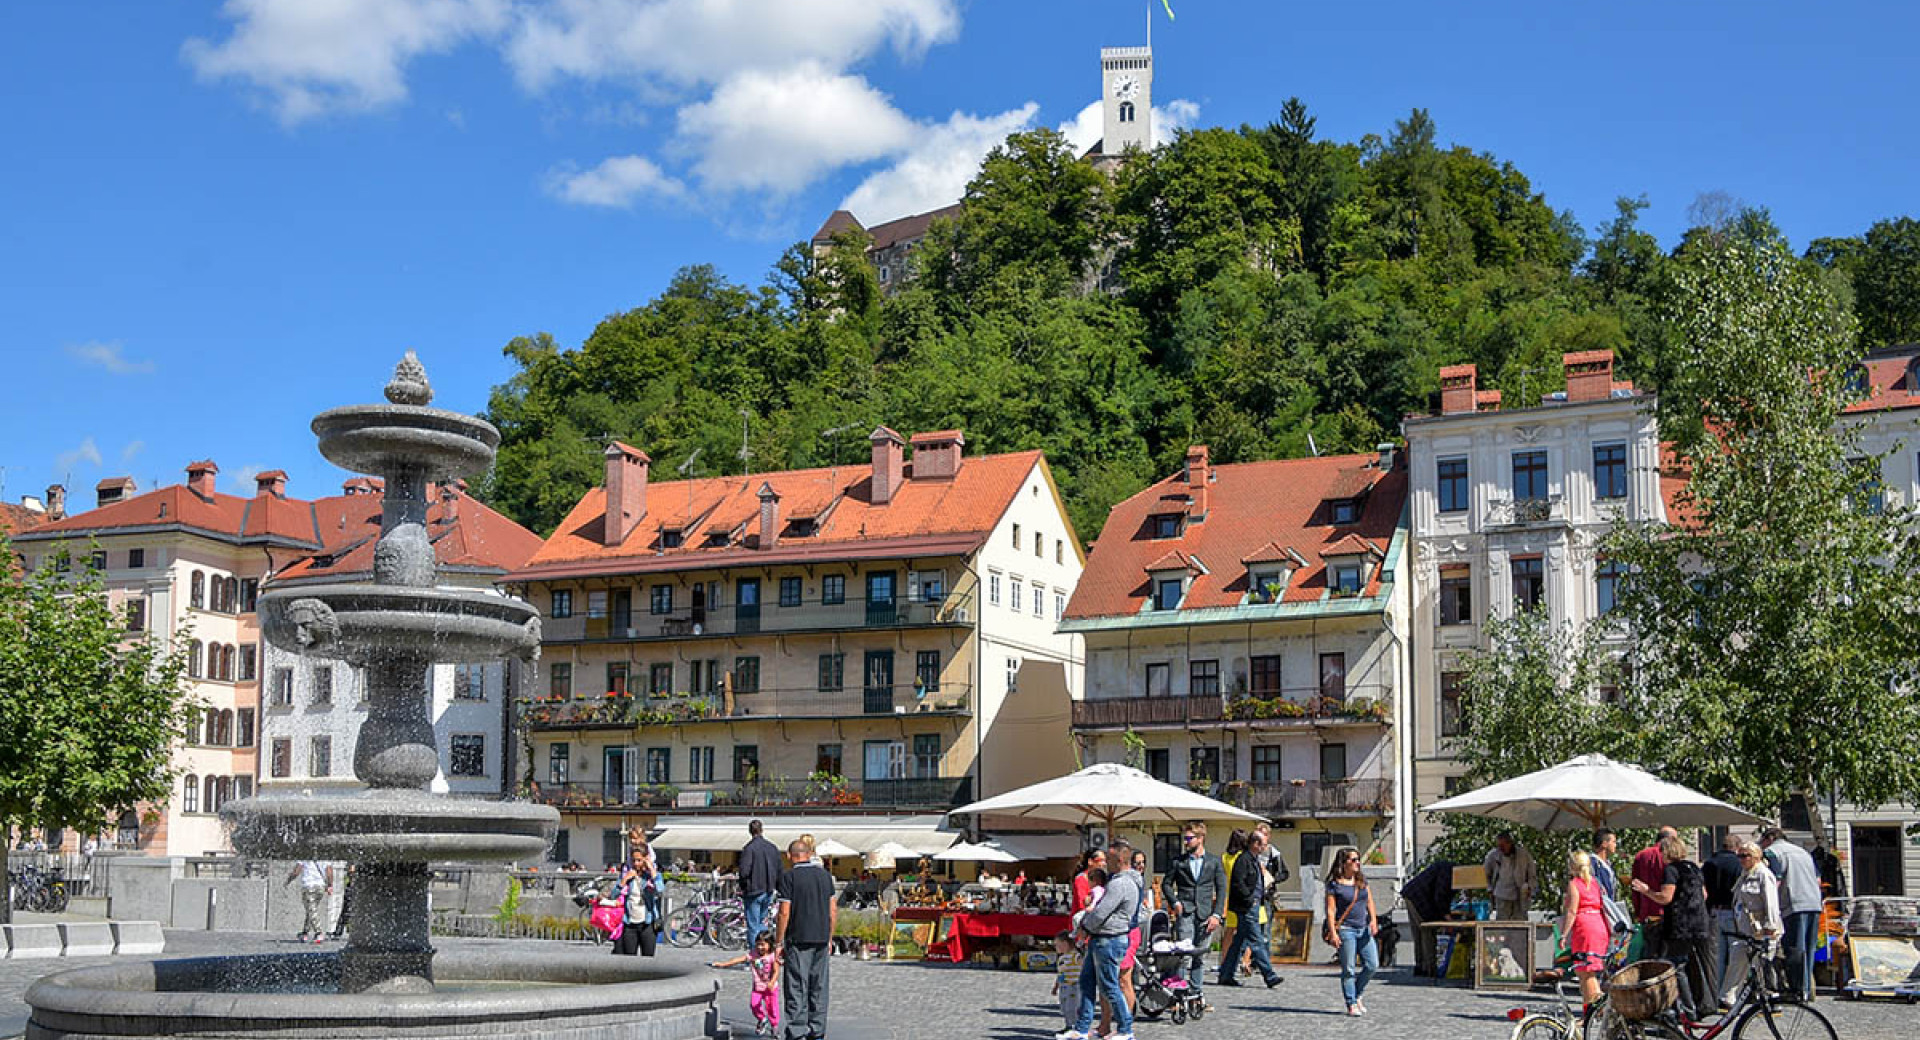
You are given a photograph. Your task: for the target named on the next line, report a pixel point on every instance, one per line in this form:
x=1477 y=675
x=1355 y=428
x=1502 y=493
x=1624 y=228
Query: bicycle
x=1561 y=1022
x=1757 y=1014
x=38 y=891
x=718 y=922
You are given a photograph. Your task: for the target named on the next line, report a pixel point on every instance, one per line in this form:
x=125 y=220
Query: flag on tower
x=1168 y=4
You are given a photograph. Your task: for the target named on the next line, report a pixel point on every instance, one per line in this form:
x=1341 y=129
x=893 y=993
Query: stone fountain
x=388 y=980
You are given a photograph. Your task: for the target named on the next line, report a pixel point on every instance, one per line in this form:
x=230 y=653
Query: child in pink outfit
x=764 y=998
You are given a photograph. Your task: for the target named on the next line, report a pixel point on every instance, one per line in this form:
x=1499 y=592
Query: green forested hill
x=1275 y=287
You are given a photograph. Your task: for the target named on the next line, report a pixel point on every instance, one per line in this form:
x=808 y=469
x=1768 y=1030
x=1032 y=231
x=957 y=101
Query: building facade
x=1246 y=637
x=1507 y=508
x=311 y=708
x=850 y=640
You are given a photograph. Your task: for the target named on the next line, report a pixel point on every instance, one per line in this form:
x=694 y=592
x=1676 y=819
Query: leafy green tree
x=1886 y=283
x=1774 y=617
x=1034 y=216
x=89 y=714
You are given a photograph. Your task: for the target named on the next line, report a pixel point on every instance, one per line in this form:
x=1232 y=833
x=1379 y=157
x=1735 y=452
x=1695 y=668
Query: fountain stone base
x=497 y=994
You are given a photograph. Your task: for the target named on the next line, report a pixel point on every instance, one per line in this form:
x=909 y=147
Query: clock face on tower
x=1126 y=87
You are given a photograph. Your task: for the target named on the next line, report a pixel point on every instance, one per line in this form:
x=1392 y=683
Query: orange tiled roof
x=1890 y=386
x=1259 y=512
x=17 y=518
x=925 y=516
x=1674 y=474
x=339 y=529
x=1351 y=545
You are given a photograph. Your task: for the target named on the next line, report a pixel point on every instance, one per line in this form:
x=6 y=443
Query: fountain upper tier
x=406 y=438
x=362 y=623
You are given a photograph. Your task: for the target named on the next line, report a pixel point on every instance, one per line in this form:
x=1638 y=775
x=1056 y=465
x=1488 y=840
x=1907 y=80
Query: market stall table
x=969 y=932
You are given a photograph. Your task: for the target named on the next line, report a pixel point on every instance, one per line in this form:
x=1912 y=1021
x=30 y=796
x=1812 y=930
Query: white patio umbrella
x=984 y=852
x=829 y=847
x=888 y=854
x=1594 y=791
x=1110 y=793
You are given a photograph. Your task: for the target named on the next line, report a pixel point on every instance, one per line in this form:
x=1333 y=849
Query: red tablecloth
x=973 y=931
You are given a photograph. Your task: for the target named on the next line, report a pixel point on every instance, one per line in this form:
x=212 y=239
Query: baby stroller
x=1158 y=985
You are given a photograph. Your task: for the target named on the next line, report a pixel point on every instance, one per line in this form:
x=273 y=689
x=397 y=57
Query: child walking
x=764 y=999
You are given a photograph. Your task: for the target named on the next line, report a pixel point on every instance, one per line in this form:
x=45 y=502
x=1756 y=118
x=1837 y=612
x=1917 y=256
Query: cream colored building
x=842 y=640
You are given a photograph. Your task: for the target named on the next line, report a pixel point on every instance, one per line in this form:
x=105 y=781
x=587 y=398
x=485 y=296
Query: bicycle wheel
x=1602 y=1022
x=1542 y=1027
x=57 y=899
x=684 y=928
x=729 y=929
x=1783 y=1022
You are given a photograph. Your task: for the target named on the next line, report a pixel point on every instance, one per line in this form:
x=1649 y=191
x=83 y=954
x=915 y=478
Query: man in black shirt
x=1722 y=872
x=759 y=869
x=807 y=916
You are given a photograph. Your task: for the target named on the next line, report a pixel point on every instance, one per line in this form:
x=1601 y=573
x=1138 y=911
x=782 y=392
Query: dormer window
x=1167 y=593
x=1166 y=525
x=1266 y=586
x=1347 y=579
x=670 y=538
x=1344 y=511
x=1913 y=377
x=802 y=527
x=1856 y=380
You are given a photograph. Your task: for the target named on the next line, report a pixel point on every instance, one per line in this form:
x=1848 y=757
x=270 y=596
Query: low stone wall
x=31 y=941
x=85 y=938
x=138 y=937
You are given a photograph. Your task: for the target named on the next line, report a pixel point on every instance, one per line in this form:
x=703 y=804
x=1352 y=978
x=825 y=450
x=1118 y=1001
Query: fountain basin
x=389 y=826
x=564 y=995
x=387 y=438
x=358 y=623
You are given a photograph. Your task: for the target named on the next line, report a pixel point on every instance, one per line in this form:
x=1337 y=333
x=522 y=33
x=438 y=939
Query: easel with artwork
x=1290 y=933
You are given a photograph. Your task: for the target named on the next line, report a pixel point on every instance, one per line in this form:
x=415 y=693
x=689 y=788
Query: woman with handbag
x=1583 y=923
x=640 y=902
x=1351 y=924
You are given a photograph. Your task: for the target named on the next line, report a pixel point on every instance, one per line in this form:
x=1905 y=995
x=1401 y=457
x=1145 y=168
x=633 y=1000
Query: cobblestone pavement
x=875 y=1000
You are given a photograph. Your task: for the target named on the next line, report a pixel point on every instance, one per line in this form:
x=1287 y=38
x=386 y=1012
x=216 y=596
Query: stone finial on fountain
x=409 y=383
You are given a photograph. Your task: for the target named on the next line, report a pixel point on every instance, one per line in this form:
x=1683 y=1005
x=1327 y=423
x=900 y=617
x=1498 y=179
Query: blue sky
x=222 y=218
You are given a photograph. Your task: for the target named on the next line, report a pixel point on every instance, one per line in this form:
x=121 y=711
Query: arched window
x=229 y=594
x=197 y=591
x=193 y=659
x=213 y=727
x=1126 y=111
x=127 y=830
x=213 y=793
x=223 y=729
x=190 y=794
x=194 y=734
x=232 y=653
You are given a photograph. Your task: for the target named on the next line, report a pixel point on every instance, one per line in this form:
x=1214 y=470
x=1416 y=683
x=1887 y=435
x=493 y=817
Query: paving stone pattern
x=876 y=1000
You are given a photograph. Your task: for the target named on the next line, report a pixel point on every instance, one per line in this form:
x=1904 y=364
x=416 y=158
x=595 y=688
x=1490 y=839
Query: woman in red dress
x=1083 y=888
x=1584 y=923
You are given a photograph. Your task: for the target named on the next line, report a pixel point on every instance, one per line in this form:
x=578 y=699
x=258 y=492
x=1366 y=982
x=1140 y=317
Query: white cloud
x=681 y=43
x=86 y=452
x=935 y=170
x=617 y=182
x=779 y=131
x=310 y=57
x=108 y=356
x=1084 y=130
x=132 y=451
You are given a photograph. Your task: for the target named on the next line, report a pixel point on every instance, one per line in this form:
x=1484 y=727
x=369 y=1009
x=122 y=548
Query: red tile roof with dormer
x=263 y=519
x=466 y=535
x=1258 y=511
x=925 y=517
x=1892 y=384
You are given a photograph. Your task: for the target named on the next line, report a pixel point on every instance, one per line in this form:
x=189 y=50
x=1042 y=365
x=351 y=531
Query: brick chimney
x=200 y=477
x=1457 y=385
x=56 y=501
x=626 y=491
x=1589 y=375
x=936 y=455
x=888 y=465
x=272 y=482
x=769 y=516
x=1199 y=473
x=112 y=489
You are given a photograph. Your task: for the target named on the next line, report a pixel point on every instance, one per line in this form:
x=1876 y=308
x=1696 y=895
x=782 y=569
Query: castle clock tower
x=1126 y=99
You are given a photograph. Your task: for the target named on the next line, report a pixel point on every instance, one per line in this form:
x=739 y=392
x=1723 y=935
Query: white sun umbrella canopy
x=829 y=847
x=1594 y=791
x=1111 y=794
x=984 y=852
x=890 y=854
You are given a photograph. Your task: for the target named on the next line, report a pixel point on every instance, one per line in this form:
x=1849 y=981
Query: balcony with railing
x=931 y=793
x=1357 y=703
x=633 y=710
x=641 y=625
x=1549 y=510
x=1310 y=797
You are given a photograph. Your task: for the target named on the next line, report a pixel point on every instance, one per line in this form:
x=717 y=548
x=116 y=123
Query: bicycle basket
x=1643 y=989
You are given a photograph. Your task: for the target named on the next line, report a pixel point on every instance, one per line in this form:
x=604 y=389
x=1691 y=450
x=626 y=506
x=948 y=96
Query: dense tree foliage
x=88 y=715
x=1261 y=290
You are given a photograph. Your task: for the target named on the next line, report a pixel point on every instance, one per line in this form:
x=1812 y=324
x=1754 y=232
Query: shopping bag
x=607 y=918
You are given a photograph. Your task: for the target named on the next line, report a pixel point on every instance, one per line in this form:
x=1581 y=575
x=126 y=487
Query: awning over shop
x=923 y=834
x=1028 y=847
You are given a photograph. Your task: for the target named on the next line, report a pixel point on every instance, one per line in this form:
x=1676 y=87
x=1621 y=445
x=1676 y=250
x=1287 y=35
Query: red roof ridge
x=1172 y=560
x=1351 y=545
x=1274 y=552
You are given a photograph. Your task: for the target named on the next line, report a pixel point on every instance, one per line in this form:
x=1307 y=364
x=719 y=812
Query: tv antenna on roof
x=682 y=470
x=833 y=458
x=745 y=452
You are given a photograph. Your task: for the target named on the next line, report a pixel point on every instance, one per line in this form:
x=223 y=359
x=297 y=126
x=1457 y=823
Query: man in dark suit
x=759 y=870
x=1195 y=888
x=1246 y=898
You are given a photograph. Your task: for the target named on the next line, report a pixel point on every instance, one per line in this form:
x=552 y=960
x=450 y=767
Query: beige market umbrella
x=1111 y=794
x=830 y=847
x=1593 y=791
x=889 y=854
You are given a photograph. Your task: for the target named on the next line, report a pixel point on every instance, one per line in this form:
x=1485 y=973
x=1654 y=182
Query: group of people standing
x=1206 y=896
x=1693 y=914
x=791 y=915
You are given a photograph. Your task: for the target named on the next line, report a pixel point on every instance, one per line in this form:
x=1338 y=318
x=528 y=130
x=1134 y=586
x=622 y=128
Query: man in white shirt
x=316 y=884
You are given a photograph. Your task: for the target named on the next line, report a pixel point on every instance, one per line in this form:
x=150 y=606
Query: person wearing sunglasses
x=1756 y=914
x=1195 y=890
